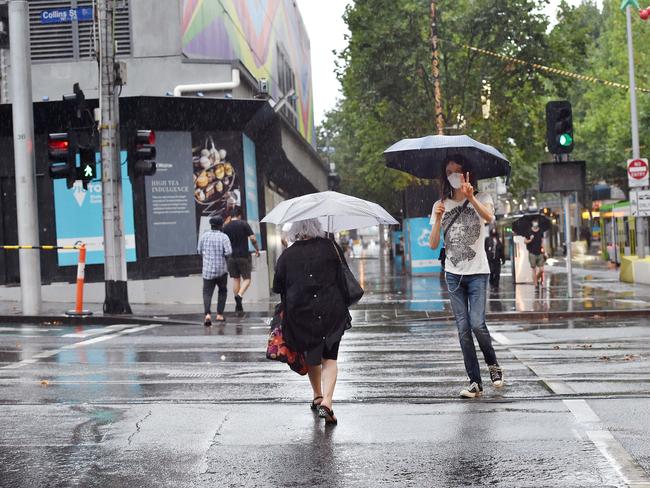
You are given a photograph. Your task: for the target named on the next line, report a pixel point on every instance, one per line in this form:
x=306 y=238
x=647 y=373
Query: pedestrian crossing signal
x=87 y=170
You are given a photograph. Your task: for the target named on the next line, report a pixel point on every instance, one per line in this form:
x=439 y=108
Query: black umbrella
x=523 y=225
x=424 y=157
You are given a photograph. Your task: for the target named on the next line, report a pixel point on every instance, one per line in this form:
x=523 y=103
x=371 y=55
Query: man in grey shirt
x=214 y=247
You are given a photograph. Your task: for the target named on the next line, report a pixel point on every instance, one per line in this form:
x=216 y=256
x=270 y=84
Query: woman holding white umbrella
x=312 y=278
x=307 y=277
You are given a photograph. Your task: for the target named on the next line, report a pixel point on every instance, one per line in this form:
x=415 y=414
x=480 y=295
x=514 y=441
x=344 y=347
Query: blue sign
x=250 y=187
x=79 y=218
x=423 y=259
x=66 y=15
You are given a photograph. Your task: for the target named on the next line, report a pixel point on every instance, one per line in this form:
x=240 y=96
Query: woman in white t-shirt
x=463 y=215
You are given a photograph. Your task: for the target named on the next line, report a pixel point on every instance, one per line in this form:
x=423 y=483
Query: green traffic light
x=566 y=140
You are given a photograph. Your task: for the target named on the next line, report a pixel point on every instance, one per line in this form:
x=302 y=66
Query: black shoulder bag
x=443 y=254
x=350 y=287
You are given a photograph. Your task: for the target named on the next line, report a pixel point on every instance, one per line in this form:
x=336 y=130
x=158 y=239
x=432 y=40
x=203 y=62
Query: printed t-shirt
x=465 y=240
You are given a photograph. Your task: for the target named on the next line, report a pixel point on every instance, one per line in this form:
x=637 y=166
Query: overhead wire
x=547 y=69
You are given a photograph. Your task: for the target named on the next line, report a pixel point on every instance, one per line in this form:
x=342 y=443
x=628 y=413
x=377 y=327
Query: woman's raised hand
x=466 y=187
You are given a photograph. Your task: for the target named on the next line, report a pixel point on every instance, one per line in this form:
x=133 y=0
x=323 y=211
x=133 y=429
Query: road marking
x=500 y=338
x=108 y=337
x=626 y=466
x=28 y=329
x=582 y=411
x=53 y=352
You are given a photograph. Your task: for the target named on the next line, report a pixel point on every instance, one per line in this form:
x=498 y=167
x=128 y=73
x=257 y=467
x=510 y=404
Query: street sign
x=640 y=203
x=66 y=15
x=637 y=172
x=567 y=176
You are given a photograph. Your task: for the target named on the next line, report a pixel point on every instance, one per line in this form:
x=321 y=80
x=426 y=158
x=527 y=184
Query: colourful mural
x=250 y=31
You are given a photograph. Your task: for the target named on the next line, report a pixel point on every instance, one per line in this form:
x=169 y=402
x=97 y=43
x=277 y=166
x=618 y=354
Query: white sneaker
x=496 y=375
x=472 y=391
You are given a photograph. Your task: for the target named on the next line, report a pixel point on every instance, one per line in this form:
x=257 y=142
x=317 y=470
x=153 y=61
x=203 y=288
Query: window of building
x=286 y=82
x=52 y=37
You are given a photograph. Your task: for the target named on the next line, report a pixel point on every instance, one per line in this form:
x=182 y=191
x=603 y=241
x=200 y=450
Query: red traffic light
x=145 y=137
x=58 y=146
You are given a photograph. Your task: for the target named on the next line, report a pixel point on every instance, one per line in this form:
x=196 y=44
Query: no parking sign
x=637 y=172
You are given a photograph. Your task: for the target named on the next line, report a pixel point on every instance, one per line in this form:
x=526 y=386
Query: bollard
x=81 y=273
x=81 y=270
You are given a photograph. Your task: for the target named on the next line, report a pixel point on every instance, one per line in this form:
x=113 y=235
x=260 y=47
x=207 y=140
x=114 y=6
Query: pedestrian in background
x=308 y=278
x=496 y=257
x=240 y=264
x=462 y=216
x=214 y=248
x=536 y=258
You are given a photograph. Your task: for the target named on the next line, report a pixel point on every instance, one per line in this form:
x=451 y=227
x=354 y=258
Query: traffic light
x=62 y=152
x=559 y=127
x=141 y=152
x=87 y=170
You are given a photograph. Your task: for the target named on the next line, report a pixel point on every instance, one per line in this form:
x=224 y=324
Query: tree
x=388 y=90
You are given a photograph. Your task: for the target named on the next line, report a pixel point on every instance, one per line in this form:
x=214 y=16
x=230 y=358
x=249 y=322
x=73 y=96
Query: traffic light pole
x=117 y=299
x=636 y=151
x=566 y=197
x=24 y=162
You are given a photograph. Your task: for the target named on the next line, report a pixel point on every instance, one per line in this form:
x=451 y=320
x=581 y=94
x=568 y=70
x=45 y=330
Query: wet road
x=178 y=405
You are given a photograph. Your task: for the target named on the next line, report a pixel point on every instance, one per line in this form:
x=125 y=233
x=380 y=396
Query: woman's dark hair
x=446 y=190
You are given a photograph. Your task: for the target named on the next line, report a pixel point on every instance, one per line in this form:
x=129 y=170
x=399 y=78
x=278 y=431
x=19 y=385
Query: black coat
x=494 y=252
x=308 y=277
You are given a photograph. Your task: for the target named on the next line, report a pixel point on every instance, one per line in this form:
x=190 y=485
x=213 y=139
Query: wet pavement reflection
x=184 y=405
x=387 y=285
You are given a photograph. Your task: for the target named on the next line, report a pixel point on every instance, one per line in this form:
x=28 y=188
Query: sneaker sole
x=469 y=395
x=499 y=384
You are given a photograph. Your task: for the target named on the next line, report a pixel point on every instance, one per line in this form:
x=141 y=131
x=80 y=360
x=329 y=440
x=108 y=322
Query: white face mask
x=455 y=180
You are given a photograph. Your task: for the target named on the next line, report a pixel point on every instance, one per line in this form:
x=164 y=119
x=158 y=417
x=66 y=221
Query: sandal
x=328 y=415
x=221 y=321
x=207 y=322
x=314 y=406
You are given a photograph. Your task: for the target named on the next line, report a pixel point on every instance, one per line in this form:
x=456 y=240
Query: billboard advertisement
x=79 y=218
x=171 y=213
x=250 y=183
x=218 y=175
x=423 y=260
x=268 y=38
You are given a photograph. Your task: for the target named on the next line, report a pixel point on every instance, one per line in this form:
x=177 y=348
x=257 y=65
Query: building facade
x=232 y=50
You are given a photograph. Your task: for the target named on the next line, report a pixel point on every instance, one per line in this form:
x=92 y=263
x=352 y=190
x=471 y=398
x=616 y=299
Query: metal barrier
x=81 y=271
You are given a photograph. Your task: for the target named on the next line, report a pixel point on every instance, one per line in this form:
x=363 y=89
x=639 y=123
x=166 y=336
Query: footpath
x=597 y=292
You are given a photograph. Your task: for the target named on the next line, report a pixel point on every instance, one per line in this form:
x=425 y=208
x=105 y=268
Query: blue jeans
x=468 y=296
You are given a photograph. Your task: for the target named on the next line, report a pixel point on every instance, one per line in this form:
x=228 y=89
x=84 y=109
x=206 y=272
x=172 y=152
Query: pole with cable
x=115 y=277
x=636 y=151
x=435 y=71
x=24 y=159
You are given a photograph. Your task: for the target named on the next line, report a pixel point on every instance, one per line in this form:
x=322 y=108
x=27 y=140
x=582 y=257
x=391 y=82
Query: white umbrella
x=336 y=211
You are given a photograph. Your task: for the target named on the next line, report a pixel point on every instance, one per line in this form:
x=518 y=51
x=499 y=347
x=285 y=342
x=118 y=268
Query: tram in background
x=618 y=232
